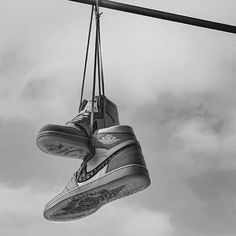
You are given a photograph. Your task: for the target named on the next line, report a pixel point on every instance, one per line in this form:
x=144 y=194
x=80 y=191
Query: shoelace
x=77 y=172
x=83 y=164
x=83 y=116
x=74 y=175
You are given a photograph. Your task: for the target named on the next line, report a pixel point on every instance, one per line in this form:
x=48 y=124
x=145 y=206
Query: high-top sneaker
x=117 y=169
x=73 y=139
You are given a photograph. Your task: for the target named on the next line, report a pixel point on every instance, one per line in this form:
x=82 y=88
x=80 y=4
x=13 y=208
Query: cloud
x=22 y=164
x=148 y=223
x=21 y=201
x=22 y=213
x=174 y=84
x=195 y=128
x=188 y=142
x=216 y=190
x=48 y=55
x=41 y=57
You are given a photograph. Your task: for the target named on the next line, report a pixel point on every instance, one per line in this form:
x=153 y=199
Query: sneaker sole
x=63 y=144
x=80 y=202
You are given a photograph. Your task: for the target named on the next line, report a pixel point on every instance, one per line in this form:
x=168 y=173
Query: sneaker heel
x=127 y=156
x=63 y=145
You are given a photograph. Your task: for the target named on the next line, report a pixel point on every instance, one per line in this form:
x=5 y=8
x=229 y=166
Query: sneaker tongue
x=88 y=107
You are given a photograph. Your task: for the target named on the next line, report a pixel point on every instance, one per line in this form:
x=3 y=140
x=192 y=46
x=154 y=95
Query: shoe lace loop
x=83 y=116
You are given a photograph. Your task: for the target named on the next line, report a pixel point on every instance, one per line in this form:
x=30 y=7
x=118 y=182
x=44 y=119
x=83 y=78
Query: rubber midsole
x=62 y=134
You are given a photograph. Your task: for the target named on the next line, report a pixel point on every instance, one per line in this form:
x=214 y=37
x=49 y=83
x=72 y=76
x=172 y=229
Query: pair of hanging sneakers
x=113 y=165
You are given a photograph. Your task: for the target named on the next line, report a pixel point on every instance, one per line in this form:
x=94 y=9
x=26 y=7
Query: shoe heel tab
x=104 y=99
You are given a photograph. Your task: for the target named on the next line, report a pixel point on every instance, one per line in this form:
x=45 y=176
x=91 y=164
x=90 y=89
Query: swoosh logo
x=84 y=175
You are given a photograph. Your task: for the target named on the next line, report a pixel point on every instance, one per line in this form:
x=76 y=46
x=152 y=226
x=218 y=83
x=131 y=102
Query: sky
x=174 y=84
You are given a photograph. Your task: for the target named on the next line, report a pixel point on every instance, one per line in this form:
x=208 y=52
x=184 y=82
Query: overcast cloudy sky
x=174 y=84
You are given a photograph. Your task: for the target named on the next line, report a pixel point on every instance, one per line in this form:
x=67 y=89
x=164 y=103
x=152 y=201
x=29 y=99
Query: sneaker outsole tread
x=63 y=144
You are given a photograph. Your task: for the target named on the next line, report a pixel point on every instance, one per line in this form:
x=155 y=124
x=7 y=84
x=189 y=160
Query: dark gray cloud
x=23 y=164
x=192 y=171
x=37 y=89
x=13 y=61
x=216 y=189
